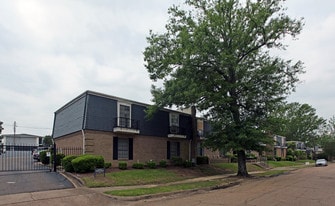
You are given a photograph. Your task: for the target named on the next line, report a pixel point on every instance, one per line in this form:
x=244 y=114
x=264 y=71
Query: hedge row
x=83 y=163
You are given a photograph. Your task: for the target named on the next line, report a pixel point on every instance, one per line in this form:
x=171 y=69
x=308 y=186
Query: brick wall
x=145 y=148
x=72 y=140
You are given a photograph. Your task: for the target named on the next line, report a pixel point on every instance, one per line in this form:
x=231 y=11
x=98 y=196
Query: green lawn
x=164 y=189
x=233 y=167
x=162 y=175
x=133 y=177
x=274 y=164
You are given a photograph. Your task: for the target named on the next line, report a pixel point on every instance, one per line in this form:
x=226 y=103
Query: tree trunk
x=242 y=166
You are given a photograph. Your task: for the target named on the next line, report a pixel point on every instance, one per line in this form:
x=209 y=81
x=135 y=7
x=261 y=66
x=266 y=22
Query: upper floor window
x=124 y=115
x=174 y=119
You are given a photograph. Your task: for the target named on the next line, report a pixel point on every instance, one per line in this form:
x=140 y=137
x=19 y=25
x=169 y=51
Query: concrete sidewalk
x=76 y=196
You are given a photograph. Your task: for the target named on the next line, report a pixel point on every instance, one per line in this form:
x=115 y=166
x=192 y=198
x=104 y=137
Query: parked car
x=321 y=162
x=37 y=151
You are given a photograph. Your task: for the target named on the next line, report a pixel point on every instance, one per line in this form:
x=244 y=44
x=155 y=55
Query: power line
x=26 y=127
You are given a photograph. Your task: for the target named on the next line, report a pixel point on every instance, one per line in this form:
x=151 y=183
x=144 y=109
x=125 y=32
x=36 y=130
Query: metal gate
x=60 y=152
x=20 y=158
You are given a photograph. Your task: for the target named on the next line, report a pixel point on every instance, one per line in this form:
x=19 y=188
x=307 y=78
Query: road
x=309 y=186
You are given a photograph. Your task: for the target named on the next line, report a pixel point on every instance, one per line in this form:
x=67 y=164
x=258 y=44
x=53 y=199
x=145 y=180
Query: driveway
x=33 y=181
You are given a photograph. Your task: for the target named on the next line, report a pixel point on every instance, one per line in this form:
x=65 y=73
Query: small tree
x=47 y=141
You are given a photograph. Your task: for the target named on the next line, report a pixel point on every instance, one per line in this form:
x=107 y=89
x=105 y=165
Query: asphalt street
x=32 y=181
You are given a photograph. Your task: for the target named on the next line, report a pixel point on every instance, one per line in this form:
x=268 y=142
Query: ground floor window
x=173 y=149
x=122 y=148
x=200 y=150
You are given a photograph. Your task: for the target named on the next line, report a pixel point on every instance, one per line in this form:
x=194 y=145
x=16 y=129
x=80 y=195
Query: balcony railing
x=122 y=124
x=178 y=132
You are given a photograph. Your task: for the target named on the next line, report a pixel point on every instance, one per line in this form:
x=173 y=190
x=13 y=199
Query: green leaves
x=297 y=122
x=215 y=55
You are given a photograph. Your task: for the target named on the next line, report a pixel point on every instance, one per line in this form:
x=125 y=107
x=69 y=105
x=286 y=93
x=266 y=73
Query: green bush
x=187 y=163
x=278 y=158
x=108 y=165
x=322 y=156
x=290 y=152
x=151 y=164
x=43 y=158
x=234 y=158
x=202 y=160
x=66 y=163
x=289 y=158
x=162 y=163
x=270 y=157
x=58 y=159
x=138 y=165
x=177 y=161
x=87 y=163
x=123 y=165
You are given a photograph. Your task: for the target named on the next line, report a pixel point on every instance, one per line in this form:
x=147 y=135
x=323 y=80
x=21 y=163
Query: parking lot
x=20 y=173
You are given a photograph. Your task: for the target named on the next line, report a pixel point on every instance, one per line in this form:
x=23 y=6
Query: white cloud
x=52 y=51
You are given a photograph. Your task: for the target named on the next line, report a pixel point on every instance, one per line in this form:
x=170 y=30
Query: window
x=124 y=116
x=122 y=148
x=200 y=151
x=174 y=123
x=173 y=149
x=174 y=119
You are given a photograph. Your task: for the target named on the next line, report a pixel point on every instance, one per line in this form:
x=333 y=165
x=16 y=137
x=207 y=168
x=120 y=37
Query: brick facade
x=145 y=148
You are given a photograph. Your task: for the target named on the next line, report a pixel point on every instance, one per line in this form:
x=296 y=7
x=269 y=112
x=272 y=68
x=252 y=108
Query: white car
x=321 y=162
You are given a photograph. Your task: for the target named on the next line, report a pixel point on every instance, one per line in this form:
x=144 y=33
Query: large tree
x=215 y=56
x=297 y=122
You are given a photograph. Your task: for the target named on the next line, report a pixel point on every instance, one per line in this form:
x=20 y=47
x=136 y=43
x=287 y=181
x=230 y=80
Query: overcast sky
x=52 y=51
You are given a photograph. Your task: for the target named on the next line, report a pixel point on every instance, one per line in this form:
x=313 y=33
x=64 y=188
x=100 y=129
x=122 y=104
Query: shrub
x=187 y=163
x=290 y=152
x=177 y=161
x=163 y=163
x=58 y=159
x=122 y=165
x=322 y=156
x=202 y=160
x=138 y=165
x=278 y=158
x=87 y=163
x=289 y=158
x=43 y=158
x=234 y=158
x=108 y=165
x=66 y=163
x=151 y=164
x=270 y=157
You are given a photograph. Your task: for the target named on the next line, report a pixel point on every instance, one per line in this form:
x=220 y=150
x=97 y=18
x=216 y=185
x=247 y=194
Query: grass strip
x=165 y=189
x=270 y=173
x=133 y=177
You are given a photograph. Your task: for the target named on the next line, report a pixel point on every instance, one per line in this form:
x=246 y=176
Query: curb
x=76 y=181
x=169 y=194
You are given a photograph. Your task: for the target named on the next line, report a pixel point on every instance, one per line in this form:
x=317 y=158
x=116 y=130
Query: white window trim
x=170 y=119
x=118 y=112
